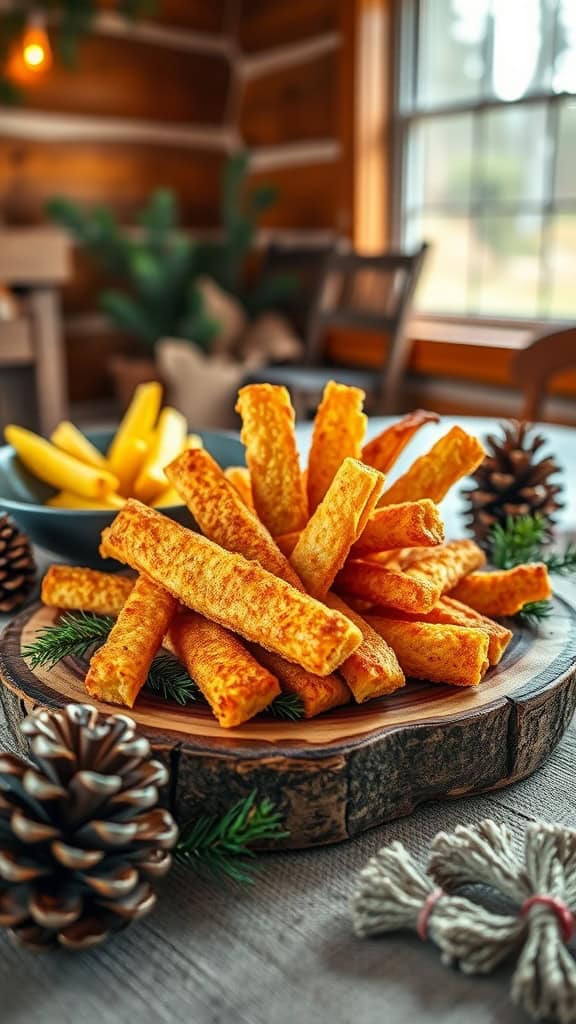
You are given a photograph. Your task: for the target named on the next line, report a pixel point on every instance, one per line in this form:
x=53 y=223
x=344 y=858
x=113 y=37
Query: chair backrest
x=304 y=266
x=536 y=364
x=369 y=293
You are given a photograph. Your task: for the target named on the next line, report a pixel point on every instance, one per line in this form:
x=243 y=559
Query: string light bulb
x=32 y=55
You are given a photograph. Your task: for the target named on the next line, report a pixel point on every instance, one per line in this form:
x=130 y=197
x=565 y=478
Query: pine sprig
x=76 y=633
x=224 y=846
x=534 y=612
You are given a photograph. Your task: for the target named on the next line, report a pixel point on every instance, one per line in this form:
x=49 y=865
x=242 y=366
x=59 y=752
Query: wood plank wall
x=146 y=107
x=289 y=109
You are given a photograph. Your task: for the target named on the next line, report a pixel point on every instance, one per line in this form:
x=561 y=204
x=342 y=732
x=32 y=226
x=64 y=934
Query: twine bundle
x=396 y=893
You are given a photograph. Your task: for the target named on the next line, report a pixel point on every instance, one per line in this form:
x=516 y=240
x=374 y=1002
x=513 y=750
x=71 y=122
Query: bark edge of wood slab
x=356 y=767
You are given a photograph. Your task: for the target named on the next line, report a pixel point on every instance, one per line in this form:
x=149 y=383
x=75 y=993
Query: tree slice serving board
x=357 y=766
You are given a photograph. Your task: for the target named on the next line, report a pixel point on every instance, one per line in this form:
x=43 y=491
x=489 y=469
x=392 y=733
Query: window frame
x=404 y=76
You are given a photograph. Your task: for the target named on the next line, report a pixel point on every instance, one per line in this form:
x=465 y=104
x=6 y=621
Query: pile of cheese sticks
x=325 y=583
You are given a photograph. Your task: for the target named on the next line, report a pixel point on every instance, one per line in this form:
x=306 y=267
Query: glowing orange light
x=32 y=55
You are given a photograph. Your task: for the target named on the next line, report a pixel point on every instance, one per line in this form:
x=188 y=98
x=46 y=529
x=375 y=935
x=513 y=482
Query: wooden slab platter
x=357 y=766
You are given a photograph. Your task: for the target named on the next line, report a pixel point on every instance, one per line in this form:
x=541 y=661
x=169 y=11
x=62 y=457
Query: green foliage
x=522 y=540
x=156 y=268
x=223 y=846
x=78 y=632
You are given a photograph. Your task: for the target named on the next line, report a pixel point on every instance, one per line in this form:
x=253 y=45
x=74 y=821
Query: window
x=486 y=124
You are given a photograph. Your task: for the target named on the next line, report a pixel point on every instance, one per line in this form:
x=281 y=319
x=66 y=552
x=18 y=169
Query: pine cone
x=17 y=566
x=80 y=829
x=512 y=482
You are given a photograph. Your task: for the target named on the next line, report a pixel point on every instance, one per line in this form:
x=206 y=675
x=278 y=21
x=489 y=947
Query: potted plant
x=169 y=285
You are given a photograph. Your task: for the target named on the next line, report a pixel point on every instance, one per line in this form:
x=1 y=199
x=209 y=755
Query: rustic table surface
x=283 y=950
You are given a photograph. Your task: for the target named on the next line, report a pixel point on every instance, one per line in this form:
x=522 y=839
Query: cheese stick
x=222 y=515
x=287 y=542
x=506 y=591
x=373 y=669
x=445 y=566
x=383 y=586
x=239 y=477
x=272 y=457
x=234 y=684
x=231 y=590
x=437 y=653
x=454 y=456
x=339 y=428
x=65 y=586
x=337 y=522
x=118 y=669
x=384 y=449
x=318 y=694
x=450 y=612
x=412 y=523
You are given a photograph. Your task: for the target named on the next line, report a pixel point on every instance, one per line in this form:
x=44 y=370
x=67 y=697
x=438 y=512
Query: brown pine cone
x=81 y=834
x=17 y=566
x=512 y=481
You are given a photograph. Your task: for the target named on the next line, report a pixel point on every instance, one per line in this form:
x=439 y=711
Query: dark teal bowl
x=74 y=534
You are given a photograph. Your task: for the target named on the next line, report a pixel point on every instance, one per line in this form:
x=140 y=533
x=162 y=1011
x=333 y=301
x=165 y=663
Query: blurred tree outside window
x=486 y=120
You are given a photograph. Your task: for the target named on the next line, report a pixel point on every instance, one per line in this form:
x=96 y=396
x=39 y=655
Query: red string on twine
x=562 y=911
x=429 y=904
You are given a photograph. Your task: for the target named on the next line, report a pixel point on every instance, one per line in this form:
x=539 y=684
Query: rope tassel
x=396 y=893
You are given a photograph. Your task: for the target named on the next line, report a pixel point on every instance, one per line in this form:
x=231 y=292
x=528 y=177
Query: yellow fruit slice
x=168 y=497
x=134 y=456
x=69 y=439
x=57 y=468
x=67 y=499
x=137 y=423
x=165 y=446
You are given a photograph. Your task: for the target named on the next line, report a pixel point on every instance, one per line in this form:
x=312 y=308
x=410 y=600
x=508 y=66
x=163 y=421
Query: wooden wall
x=146 y=107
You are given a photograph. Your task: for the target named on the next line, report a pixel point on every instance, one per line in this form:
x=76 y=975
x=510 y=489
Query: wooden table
x=283 y=951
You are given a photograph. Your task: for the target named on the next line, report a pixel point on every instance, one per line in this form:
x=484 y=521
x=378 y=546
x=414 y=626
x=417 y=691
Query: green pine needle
x=224 y=846
x=534 y=612
x=77 y=632
x=520 y=540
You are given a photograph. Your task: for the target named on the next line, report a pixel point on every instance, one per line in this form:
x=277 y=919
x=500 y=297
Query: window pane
x=440 y=161
x=513 y=153
x=506 y=251
x=450 y=65
x=522 y=49
x=443 y=285
x=561 y=266
x=565 y=186
x=565 y=64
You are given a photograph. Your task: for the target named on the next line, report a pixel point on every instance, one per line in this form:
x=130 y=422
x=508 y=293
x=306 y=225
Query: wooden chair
x=536 y=364
x=362 y=293
x=35 y=262
x=304 y=266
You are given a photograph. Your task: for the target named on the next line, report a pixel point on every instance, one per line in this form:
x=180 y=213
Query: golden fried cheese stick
x=412 y=523
x=505 y=591
x=384 y=449
x=287 y=542
x=438 y=653
x=317 y=693
x=337 y=522
x=228 y=589
x=65 y=586
x=234 y=684
x=239 y=477
x=338 y=432
x=432 y=475
x=445 y=566
x=222 y=515
x=373 y=669
x=119 y=668
x=272 y=457
x=450 y=612
x=383 y=586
